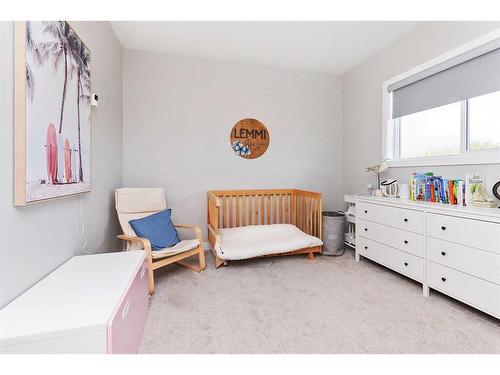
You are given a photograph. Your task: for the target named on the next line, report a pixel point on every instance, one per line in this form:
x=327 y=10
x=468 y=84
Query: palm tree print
x=60 y=51
x=81 y=57
x=31 y=48
x=58 y=111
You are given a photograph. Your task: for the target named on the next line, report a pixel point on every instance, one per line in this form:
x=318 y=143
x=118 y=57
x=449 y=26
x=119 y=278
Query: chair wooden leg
x=201 y=258
x=151 y=278
x=310 y=256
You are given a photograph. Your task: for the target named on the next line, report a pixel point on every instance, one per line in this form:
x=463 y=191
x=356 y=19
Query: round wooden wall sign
x=249 y=138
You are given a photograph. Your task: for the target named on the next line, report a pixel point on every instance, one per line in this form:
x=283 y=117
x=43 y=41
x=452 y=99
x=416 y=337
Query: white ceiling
x=330 y=47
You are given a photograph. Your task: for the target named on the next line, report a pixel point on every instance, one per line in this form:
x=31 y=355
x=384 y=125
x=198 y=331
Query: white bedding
x=257 y=240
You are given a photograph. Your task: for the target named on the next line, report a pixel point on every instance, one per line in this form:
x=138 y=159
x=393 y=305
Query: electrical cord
x=82 y=232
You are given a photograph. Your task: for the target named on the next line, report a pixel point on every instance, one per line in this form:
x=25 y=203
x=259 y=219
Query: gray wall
x=178 y=113
x=363 y=101
x=38 y=238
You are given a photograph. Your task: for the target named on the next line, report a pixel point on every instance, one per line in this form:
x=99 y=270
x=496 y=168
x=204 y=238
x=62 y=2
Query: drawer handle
x=405 y=219
x=366 y=247
x=443 y=253
x=443 y=227
x=406 y=242
x=443 y=279
x=366 y=229
x=366 y=211
x=406 y=264
x=143 y=272
x=125 y=310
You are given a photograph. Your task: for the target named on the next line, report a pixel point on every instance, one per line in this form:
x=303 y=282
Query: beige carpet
x=292 y=305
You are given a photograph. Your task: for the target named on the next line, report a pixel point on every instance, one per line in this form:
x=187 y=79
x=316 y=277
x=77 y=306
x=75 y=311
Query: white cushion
x=181 y=247
x=140 y=200
x=257 y=240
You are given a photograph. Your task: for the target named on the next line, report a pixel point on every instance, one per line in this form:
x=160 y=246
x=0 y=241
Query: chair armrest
x=143 y=241
x=196 y=229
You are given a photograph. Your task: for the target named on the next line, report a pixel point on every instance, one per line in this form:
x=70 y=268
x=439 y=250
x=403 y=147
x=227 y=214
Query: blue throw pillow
x=158 y=229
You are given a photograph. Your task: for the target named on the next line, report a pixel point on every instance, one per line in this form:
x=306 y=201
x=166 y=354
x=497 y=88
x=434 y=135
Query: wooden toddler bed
x=291 y=216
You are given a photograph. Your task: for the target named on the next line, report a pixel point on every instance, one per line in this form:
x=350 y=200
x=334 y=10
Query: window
x=430 y=133
x=452 y=129
x=446 y=111
x=484 y=122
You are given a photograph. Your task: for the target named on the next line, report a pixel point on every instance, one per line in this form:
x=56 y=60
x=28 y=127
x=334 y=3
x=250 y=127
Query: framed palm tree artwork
x=52 y=112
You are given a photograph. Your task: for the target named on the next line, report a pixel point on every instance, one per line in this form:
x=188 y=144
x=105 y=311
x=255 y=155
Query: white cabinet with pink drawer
x=90 y=304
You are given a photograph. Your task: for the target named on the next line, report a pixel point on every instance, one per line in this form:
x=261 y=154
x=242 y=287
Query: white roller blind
x=471 y=74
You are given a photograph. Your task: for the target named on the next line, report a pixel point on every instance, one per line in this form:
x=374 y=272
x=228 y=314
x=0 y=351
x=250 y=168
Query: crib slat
x=282 y=209
x=275 y=216
x=268 y=209
x=238 y=199
x=306 y=214
x=316 y=232
x=320 y=229
x=262 y=209
x=244 y=210
x=256 y=210
x=297 y=207
x=224 y=211
x=309 y=216
x=300 y=208
x=283 y=212
x=287 y=209
x=302 y=212
x=314 y=216
x=297 y=211
x=250 y=202
x=231 y=224
x=309 y=222
x=249 y=210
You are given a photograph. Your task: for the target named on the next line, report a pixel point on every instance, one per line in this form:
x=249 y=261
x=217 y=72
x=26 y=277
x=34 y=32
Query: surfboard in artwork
x=51 y=154
x=67 y=162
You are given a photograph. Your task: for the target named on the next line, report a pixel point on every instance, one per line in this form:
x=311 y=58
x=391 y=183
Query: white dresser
x=90 y=304
x=455 y=250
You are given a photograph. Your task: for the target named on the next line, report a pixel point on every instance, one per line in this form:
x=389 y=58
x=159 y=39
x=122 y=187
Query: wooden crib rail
x=309 y=216
x=236 y=208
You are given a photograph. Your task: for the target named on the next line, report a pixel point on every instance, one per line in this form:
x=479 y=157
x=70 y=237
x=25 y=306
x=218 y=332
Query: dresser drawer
x=466 y=288
x=401 y=218
x=466 y=259
x=127 y=324
x=400 y=239
x=475 y=233
x=399 y=261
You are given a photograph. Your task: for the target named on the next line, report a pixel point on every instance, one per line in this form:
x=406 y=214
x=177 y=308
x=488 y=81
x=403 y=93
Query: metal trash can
x=333 y=233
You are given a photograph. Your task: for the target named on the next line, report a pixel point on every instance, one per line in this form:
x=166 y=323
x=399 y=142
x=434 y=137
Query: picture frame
x=52 y=114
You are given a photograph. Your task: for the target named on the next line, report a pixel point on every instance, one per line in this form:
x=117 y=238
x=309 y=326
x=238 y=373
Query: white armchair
x=136 y=203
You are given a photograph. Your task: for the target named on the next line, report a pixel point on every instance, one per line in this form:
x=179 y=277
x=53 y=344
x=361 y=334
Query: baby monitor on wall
x=94 y=98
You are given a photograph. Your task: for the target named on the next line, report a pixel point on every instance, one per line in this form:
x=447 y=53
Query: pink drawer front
x=126 y=326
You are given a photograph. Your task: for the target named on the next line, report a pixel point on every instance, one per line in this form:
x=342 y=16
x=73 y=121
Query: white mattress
x=257 y=240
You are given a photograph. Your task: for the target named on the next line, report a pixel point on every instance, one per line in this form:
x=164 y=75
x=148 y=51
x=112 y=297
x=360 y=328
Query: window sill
x=469 y=158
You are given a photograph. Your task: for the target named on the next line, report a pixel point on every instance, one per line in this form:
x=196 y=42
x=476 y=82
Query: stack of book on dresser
x=429 y=188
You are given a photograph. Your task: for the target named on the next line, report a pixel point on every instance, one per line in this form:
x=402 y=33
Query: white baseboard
x=206 y=246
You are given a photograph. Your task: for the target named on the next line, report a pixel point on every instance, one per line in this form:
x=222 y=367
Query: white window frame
x=390 y=140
